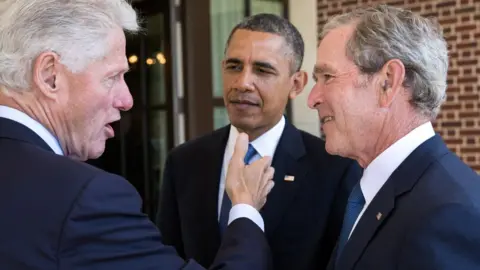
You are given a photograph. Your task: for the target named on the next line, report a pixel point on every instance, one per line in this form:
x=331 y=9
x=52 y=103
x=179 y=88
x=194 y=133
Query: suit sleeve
x=448 y=238
x=168 y=219
x=107 y=230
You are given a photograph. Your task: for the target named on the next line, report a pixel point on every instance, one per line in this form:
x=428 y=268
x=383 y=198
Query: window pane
x=155 y=60
x=224 y=15
x=267 y=6
x=158 y=142
x=220 y=117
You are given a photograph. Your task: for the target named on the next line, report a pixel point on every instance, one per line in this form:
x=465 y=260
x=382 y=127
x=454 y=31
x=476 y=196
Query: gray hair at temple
x=75 y=30
x=383 y=33
x=273 y=24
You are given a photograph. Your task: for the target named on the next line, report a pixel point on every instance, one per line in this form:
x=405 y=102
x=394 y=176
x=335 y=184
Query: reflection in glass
x=267 y=6
x=220 y=117
x=224 y=15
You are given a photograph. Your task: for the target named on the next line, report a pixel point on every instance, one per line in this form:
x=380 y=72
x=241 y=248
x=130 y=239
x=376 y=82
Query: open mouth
x=326 y=119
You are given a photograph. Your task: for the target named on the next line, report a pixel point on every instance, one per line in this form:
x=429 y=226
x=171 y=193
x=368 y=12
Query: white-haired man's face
x=88 y=102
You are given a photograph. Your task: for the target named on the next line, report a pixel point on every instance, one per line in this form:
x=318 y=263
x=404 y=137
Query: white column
x=303 y=14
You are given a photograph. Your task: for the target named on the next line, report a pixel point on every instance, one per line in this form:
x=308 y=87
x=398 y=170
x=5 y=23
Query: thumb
x=241 y=148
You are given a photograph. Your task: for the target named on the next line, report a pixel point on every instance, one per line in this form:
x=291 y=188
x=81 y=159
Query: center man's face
x=257 y=79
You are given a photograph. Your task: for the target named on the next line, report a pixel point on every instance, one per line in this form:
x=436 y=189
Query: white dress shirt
x=265 y=145
x=380 y=169
x=24 y=119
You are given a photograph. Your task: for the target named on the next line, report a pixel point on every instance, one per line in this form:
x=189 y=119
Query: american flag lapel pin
x=289 y=178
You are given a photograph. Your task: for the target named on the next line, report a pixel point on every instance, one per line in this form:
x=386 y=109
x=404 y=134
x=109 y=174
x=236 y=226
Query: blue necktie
x=226 y=203
x=355 y=204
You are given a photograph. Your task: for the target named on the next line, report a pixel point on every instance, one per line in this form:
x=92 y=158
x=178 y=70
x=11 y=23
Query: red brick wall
x=459 y=120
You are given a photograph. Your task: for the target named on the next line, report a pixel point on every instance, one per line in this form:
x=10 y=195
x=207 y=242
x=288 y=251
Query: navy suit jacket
x=57 y=213
x=425 y=217
x=302 y=217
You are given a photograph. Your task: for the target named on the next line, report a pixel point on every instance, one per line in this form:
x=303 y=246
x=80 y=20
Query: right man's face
x=341 y=95
x=256 y=79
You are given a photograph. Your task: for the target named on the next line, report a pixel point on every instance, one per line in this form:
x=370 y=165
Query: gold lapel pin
x=379 y=216
x=289 y=178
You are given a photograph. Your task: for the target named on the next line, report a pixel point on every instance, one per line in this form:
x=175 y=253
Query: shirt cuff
x=246 y=211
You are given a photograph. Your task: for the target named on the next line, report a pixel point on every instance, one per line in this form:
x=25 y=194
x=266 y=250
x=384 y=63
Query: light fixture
x=150 y=61
x=161 y=58
x=133 y=59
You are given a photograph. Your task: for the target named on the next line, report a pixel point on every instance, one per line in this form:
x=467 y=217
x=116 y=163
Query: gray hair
x=273 y=24
x=383 y=33
x=74 y=29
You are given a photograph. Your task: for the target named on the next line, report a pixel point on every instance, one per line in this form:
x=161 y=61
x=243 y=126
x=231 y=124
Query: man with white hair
x=62 y=64
x=380 y=80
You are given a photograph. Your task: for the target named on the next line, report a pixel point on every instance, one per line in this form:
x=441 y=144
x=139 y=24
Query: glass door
x=145 y=133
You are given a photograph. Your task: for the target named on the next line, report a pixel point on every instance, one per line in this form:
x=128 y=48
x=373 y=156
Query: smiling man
x=381 y=77
x=303 y=214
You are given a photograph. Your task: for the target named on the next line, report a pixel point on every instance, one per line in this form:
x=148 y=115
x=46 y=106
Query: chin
x=96 y=152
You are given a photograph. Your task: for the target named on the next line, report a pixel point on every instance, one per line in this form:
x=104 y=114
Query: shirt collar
x=265 y=145
x=39 y=129
x=380 y=169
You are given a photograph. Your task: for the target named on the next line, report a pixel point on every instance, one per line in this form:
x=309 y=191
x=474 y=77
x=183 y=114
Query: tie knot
x=250 y=153
x=357 y=195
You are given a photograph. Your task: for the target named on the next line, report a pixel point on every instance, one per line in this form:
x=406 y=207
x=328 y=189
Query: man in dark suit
x=380 y=80
x=303 y=214
x=61 y=77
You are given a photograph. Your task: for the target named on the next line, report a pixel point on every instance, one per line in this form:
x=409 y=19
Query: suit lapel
x=208 y=200
x=10 y=129
x=287 y=162
x=402 y=180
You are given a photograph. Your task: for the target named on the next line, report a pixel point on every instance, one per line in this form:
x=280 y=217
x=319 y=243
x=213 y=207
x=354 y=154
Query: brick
x=449 y=124
x=444 y=4
x=471 y=159
x=470 y=123
x=448 y=21
x=469 y=114
x=467 y=80
x=470 y=140
x=433 y=14
x=450 y=132
x=398 y=3
x=468 y=97
x=349 y=3
x=465 y=27
x=467 y=62
x=469 y=106
x=453 y=141
x=465 y=45
x=467 y=71
x=464 y=2
x=464 y=9
x=470 y=132
x=470 y=149
x=466 y=54
x=451 y=107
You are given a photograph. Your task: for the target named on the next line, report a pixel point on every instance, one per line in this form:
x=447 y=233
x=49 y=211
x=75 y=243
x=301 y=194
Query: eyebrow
x=255 y=63
x=323 y=68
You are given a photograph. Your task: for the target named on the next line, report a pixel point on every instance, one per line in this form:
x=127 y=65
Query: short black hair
x=271 y=23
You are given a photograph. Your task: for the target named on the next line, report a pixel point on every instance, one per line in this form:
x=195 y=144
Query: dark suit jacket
x=302 y=218
x=430 y=217
x=57 y=213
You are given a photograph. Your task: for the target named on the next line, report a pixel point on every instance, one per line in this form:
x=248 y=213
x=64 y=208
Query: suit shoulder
x=200 y=143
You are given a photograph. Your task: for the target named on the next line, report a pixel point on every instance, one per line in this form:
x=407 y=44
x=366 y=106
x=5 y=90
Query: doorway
x=145 y=133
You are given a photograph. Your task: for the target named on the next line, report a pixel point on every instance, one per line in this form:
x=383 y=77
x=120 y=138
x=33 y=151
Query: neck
x=254 y=133
x=390 y=132
x=27 y=103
